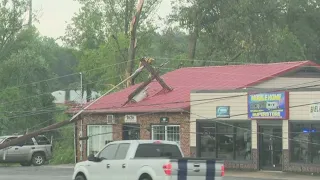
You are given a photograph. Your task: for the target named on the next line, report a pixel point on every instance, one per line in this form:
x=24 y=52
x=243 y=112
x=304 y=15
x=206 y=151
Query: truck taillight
x=167 y=168
x=222 y=170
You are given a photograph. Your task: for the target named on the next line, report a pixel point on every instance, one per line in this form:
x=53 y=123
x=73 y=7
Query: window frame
x=165 y=131
x=100 y=129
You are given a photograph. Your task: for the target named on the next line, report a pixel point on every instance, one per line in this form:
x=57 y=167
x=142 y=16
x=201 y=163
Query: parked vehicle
x=35 y=151
x=146 y=160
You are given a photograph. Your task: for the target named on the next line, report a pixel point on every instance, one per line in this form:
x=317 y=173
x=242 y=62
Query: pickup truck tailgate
x=196 y=169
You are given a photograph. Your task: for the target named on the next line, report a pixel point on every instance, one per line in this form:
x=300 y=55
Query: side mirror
x=92 y=158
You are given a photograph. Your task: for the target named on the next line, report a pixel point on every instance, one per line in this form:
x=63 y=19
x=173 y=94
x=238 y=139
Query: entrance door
x=131 y=131
x=270 y=148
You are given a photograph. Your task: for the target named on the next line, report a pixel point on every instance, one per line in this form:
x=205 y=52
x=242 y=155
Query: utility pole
x=81 y=121
x=30 y=13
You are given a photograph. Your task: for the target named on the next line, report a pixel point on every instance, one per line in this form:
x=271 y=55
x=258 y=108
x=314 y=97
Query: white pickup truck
x=146 y=160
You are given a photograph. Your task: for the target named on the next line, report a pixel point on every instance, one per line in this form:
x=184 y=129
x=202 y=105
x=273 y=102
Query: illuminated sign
x=268 y=105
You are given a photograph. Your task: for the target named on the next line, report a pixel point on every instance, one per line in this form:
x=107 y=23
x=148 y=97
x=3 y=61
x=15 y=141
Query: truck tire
x=145 y=177
x=80 y=177
x=38 y=159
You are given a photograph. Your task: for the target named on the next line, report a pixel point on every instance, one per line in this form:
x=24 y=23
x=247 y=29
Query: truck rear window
x=158 y=150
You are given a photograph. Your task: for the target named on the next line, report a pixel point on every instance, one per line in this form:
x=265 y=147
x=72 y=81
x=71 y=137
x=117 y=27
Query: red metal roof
x=184 y=80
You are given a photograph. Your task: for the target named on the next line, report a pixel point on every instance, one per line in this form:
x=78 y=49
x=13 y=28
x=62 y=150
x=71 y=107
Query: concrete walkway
x=270 y=175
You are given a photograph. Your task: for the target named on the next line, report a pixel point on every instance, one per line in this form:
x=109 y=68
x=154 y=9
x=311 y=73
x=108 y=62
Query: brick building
x=157 y=113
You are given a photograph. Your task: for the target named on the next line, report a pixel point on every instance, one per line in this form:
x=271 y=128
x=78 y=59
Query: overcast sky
x=55 y=14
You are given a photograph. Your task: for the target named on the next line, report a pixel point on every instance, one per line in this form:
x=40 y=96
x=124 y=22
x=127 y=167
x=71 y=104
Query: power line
x=178 y=102
x=220 y=122
x=50 y=79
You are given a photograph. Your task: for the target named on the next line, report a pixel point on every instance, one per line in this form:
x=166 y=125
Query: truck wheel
x=145 y=177
x=80 y=177
x=25 y=164
x=38 y=159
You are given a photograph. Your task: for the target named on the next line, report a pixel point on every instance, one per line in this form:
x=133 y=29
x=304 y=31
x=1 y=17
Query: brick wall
x=145 y=122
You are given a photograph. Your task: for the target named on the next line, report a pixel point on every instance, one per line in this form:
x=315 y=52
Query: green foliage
x=63 y=142
x=251 y=31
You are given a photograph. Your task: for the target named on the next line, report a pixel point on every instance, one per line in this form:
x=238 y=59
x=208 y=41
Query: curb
x=272 y=176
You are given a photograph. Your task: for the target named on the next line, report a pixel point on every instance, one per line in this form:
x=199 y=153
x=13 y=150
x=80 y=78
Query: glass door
x=131 y=131
x=270 y=148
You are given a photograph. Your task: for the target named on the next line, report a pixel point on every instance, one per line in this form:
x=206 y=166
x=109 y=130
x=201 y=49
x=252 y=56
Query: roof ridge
x=249 y=64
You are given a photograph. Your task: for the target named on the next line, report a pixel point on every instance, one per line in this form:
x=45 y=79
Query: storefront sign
x=130 y=119
x=268 y=105
x=315 y=110
x=223 y=111
x=164 y=120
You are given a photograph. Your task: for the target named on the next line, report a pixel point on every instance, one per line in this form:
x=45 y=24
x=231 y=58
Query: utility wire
x=50 y=79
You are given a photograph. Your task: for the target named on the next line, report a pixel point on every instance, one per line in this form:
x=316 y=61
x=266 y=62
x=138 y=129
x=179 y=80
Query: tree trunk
x=30 y=14
x=89 y=92
x=126 y=19
x=193 y=38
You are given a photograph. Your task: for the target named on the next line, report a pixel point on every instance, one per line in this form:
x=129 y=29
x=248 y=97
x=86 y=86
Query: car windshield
x=1 y=139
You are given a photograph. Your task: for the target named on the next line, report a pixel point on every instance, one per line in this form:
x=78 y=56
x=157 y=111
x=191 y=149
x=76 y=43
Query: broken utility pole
x=156 y=75
x=145 y=62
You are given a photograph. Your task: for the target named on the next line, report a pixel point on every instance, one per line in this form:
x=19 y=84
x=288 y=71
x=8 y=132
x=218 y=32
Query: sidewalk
x=270 y=175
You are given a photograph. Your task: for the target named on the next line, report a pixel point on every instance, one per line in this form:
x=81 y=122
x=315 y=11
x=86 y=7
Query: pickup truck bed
x=146 y=160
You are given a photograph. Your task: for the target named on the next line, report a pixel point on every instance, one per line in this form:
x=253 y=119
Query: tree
x=103 y=23
x=244 y=31
x=11 y=24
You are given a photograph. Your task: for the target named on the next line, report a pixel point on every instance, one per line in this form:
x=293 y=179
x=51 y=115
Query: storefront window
x=304 y=142
x=225 y=140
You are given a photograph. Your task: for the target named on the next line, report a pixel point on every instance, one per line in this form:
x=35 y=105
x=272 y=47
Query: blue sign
x=223 y=111
x=268 y=105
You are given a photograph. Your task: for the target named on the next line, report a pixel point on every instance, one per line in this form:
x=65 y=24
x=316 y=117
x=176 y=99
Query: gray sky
x=54 y=15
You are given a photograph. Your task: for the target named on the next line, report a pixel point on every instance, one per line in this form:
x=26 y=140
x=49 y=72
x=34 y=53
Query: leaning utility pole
x=73 y=119
x=133 y=42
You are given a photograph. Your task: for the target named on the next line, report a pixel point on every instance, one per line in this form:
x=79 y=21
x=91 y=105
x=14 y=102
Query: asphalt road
x=57 y=173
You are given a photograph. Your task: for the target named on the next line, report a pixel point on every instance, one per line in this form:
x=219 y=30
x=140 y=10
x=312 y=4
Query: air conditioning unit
x=110 y=119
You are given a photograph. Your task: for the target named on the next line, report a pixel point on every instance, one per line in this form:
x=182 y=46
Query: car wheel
x=38 y=159
x=80 y=177
x=25 y=164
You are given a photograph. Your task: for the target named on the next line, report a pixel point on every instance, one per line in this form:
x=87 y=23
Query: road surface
x=65 y=173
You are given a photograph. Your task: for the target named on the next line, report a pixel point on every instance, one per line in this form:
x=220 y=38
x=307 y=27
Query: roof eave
x=305 y=63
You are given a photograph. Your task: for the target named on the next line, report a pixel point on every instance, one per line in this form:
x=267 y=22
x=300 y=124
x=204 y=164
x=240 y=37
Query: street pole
x=81 y=121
